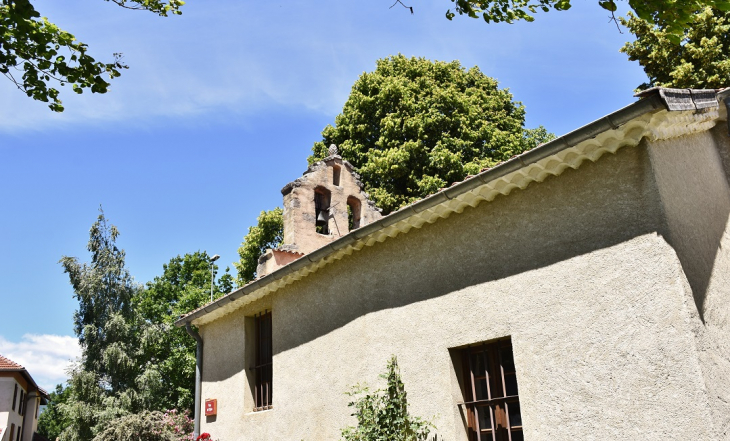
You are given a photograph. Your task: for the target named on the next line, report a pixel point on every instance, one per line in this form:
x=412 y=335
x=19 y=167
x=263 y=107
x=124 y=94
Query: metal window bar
x=264 y=363
x=487 y=363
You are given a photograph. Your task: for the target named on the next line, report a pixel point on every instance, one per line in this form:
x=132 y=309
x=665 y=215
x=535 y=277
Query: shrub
x=170 y=425
x=383 y=415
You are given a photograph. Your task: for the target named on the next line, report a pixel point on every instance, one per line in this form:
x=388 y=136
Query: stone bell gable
x=325 y=203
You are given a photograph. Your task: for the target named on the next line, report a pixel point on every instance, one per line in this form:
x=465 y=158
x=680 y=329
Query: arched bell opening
x=353 y=213
x=322 y=198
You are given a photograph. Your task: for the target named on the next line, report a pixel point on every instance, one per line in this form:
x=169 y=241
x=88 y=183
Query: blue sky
x=218 y=111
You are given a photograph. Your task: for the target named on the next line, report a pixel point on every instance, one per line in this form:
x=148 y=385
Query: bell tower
x=324 y=204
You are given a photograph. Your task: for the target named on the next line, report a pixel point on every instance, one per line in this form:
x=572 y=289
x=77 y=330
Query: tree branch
x=399 y=1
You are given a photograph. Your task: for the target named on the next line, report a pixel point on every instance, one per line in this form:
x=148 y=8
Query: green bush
x=383 y=415
x=149 y=426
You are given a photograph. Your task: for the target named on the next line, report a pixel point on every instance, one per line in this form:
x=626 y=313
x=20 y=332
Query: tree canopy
x=414 y=126
x=702 y=61
x=673 y=16
x=35 y=52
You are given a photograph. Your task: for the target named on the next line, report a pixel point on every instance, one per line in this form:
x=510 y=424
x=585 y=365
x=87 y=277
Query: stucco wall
x=7 y=387
x=691 y=173
x=577 y=270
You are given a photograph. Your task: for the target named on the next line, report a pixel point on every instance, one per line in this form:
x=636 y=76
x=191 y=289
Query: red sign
x=211 y=407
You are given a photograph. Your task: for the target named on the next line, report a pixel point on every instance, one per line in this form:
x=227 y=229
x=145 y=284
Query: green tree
x=673 y=16
x=184 y=285
x=383 y=415
x=35 y=52
x=113 y=376
x=268 y=233
x=52 y=421
x=702 y=61
x=414 y=126
x=105 y=320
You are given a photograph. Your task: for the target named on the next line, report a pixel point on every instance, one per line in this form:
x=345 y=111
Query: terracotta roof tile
x=8 y=364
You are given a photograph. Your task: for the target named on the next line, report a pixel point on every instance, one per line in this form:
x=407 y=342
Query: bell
x=321 y=218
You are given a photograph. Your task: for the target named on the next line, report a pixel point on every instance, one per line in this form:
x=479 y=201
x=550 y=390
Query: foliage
x=52 y=421
x=183 y=287
x=113 y=338
x=414 y=126
x=383 y=415
x=133 y=358
x=673 y=16
x=268 y=233
x=702 y=61
x=105 y=321
x=149 y=426
x=35 y=52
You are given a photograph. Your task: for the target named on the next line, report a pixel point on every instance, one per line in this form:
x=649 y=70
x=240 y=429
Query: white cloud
x=46 y=357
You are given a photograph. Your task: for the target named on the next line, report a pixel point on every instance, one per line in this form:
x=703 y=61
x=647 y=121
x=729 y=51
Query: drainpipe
x=198 y=375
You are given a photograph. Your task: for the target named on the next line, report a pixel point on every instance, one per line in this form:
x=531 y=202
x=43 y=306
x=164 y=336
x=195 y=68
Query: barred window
x=491 y=396
x=263 y=366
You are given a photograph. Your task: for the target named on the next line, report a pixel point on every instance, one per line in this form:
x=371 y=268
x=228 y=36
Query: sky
x=218 y=111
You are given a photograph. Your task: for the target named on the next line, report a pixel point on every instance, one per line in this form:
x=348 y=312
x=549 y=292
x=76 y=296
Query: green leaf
x=608 y=5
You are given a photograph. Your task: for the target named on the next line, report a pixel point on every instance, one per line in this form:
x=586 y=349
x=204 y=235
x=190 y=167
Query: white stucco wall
x=578 y=270
x=692 y=179
x=9 y=416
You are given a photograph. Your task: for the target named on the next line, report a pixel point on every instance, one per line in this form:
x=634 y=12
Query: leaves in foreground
x=35 y=54
x=673 y=16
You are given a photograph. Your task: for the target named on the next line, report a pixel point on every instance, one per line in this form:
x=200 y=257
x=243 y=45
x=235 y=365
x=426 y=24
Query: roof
x=659 y=114
x=8 y=365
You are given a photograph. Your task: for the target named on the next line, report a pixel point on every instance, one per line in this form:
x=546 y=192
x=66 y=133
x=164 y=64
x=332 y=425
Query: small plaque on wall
x=211 y=407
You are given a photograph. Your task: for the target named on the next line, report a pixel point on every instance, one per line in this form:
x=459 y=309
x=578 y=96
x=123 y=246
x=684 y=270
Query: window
x=20 y=433
x=491 y=396
x=12 y=431
x=336 y=175
x=21 y=407
x=262 y=369
x=15 y=398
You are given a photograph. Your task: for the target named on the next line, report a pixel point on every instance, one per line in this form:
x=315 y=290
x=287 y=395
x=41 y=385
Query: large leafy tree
x=113 y=338
x=414 y=126
x=673 y=16
x=34 y=52
x=702 y=61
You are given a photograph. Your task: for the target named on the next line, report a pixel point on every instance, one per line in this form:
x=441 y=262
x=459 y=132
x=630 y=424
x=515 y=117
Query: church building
x=580 y=290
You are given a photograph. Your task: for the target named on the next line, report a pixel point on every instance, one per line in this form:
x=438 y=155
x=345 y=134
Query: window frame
x=499 y=377
x=263 y=372
x=15 y=396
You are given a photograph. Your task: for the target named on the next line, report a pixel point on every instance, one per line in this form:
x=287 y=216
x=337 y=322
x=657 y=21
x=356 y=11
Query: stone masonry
x=320 y=207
